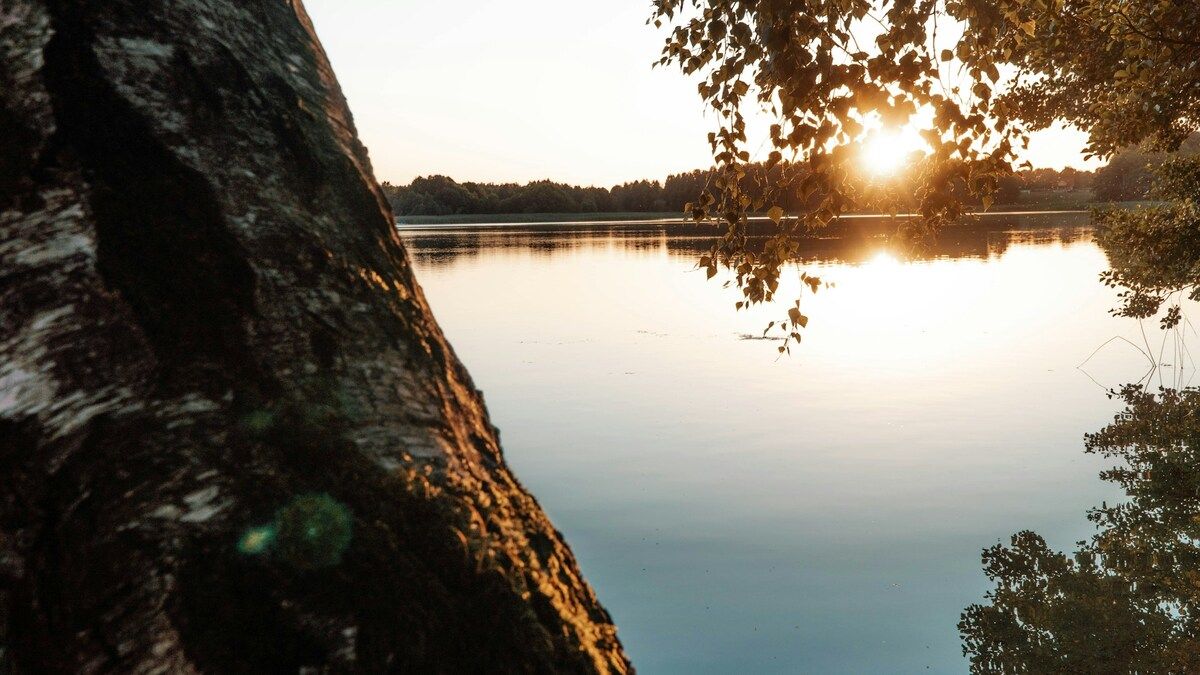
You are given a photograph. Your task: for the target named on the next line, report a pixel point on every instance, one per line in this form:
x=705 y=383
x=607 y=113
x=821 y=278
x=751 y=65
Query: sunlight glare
x=885 y=153
x=884 y=258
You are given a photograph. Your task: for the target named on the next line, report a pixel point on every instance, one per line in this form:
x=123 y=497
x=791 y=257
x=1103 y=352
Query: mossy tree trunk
x=232 y=436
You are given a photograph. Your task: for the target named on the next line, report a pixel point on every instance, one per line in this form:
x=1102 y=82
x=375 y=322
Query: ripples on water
x=824 y=512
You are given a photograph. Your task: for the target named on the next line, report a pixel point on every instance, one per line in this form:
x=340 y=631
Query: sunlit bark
x=206 y=319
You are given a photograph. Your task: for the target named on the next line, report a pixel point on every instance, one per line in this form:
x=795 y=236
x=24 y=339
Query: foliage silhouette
x=1154 y=252
x=829 y=70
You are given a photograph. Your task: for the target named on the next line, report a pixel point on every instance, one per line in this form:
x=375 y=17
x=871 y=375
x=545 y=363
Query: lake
x=739 y=511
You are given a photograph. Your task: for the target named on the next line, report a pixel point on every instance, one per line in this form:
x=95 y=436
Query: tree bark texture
x=215 y=365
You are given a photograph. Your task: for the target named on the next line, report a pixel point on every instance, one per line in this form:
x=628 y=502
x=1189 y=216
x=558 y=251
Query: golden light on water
x=884 y=260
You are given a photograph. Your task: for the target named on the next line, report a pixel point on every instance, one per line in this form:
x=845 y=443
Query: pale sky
x=522 y=90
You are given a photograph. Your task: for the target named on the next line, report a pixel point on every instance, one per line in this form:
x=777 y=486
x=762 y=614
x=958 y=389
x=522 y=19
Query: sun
x=884 y=153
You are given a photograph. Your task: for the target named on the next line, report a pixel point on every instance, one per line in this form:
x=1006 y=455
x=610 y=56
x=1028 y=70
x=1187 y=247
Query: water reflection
x=1128 y=599
x=738 y=512
x=853 y=241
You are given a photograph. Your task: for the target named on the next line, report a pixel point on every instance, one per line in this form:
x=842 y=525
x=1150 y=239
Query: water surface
x=824 y=512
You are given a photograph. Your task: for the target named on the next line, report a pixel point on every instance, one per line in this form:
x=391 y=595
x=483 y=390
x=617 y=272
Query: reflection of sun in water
x=881 y=265
x=878 y=272
x=886 y=152
x=884 y=259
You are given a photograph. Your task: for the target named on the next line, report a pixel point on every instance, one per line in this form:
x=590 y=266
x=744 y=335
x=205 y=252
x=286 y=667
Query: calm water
x=824 y=512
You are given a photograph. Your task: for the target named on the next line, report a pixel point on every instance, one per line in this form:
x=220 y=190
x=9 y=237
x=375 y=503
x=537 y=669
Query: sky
x=523 y=90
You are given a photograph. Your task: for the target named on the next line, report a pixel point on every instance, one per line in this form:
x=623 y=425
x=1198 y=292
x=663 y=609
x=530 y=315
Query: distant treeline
x=443 y=196
x=1129 y=176
x=1126 y=178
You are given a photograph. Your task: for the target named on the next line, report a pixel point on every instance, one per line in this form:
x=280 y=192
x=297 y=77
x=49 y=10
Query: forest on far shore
x=1127 y=177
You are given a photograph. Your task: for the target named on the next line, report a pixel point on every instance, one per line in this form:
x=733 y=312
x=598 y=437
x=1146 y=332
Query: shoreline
x=490 y=222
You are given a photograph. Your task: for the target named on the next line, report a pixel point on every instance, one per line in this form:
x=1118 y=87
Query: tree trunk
x=232 y=436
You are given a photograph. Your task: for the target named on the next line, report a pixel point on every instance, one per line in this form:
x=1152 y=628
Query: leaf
x=775 y=213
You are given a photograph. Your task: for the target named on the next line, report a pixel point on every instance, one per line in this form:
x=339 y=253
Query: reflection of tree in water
x=1128 y=600
x=852 y=241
